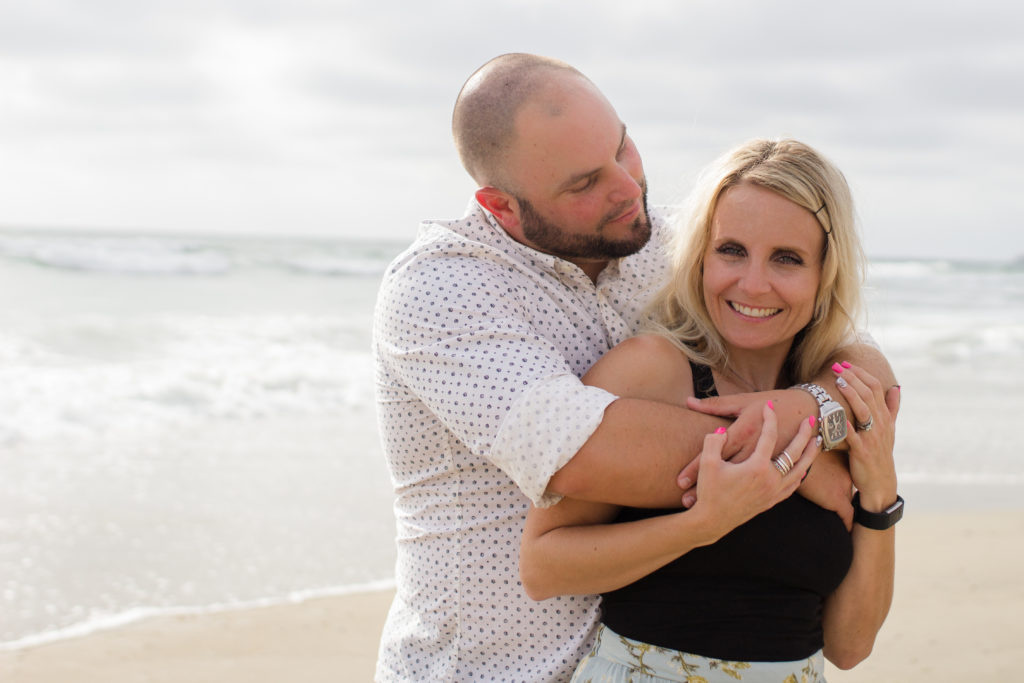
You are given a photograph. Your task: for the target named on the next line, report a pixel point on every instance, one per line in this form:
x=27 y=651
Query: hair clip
x=829 y=231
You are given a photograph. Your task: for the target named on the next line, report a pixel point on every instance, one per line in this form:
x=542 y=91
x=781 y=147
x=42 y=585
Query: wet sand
x=955 y=616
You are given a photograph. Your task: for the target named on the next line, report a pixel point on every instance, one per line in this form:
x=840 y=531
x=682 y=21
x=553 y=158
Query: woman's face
x=762 y=268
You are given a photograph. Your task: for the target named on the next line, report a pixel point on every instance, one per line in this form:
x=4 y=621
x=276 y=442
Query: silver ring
x=866 y=425
x=782 y=467
x=789 y=459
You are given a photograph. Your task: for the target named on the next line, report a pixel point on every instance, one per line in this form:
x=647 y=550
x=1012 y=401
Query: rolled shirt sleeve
x=544 y=430
x=460 y=336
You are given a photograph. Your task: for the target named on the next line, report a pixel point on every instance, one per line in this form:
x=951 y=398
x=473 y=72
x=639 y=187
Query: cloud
x=320 y=110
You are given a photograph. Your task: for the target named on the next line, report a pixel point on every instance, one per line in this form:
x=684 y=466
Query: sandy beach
x=959 y=591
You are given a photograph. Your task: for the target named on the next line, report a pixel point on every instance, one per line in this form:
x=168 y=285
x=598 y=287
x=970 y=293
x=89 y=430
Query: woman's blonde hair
x=798 y=173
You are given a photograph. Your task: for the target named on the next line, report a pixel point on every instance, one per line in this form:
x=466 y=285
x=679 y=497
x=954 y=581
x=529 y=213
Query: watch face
x=833 y=426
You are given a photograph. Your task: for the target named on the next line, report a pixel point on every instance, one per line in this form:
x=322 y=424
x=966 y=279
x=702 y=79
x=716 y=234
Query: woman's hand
x=729 y=494
x=871 y=433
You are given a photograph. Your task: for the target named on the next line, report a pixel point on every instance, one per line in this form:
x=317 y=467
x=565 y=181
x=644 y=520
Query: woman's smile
x=753 y=311
x=762 y=268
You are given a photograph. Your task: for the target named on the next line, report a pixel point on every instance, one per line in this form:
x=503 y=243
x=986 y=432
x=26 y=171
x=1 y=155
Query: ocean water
x=188 y=423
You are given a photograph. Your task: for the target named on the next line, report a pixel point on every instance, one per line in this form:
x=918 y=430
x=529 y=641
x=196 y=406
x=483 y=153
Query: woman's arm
x=573 y=548
x=856 y=610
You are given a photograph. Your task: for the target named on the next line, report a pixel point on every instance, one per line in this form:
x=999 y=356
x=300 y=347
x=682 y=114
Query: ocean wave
x=906 y=269
x=127 y=255
x=969 y=338
x=92 y=375
x=332 y=265
x=148 y=255
x=107 y=622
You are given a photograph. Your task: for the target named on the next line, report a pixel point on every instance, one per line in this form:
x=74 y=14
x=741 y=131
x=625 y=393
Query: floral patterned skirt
x=616 y=659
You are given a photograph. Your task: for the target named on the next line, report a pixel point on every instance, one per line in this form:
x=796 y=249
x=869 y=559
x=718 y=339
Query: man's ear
x=501 y=205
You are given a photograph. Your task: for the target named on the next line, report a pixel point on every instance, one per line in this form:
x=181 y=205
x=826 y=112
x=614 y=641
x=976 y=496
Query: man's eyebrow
x=586 y=174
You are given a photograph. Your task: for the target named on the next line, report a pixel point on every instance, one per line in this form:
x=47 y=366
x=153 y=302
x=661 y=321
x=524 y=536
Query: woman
x=751 y=583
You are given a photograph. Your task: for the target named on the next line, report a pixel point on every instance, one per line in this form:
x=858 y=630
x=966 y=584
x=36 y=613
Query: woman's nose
x=754 y=280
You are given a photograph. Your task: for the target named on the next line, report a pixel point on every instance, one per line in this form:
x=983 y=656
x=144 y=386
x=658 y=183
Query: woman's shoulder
x=647 y=366
x=657 y=345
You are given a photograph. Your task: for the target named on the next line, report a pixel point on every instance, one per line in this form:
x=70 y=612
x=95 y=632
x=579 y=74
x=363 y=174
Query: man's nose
x=627 y=188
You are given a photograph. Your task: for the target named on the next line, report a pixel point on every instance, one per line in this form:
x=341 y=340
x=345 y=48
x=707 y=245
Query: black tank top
x=755 y=595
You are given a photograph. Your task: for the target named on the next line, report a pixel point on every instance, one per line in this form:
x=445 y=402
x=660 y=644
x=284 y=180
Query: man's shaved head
x=483 y=123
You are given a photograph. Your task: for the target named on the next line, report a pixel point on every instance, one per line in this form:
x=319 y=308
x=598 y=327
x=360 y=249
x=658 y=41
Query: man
x=482 y=330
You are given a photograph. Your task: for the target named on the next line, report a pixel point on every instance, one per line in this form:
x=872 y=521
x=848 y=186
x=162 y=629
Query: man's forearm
x=635 y=455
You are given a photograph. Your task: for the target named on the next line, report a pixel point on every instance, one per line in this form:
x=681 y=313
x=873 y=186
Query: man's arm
x=644 y=447
x=635 y=455
x=797 y=403
x=643 y=450
x=645 y=436
x=507 y=392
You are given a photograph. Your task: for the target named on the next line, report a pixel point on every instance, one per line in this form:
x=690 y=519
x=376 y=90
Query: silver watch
x=831 y=418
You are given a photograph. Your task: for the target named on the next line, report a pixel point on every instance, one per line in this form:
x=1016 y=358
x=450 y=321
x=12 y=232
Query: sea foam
x=153 y=255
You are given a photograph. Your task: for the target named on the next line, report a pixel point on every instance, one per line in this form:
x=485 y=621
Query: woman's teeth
x=754 y=312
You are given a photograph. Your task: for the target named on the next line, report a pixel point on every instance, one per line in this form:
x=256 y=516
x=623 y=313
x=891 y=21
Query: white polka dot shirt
x=479 y=343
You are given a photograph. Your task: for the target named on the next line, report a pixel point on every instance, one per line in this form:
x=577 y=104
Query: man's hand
x=829 y=485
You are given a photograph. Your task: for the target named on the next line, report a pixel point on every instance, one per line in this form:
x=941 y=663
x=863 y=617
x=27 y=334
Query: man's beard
x=551 y=239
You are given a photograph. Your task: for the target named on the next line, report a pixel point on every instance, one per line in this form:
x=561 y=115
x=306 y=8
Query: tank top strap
x=703 y=381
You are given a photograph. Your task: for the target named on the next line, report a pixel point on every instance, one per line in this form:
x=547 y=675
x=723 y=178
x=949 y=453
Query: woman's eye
x=790 y=259
x=730 y=250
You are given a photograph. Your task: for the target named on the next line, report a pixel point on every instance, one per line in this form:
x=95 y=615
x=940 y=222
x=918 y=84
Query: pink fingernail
x=845 y=364
x=720 y=430
x=811 y=420
x=837 y=368
x=771 y=405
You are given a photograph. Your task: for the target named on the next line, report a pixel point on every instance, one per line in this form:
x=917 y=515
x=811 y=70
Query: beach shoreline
x=958 y=590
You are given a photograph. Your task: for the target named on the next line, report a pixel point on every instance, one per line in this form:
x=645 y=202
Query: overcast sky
x=332 y=118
